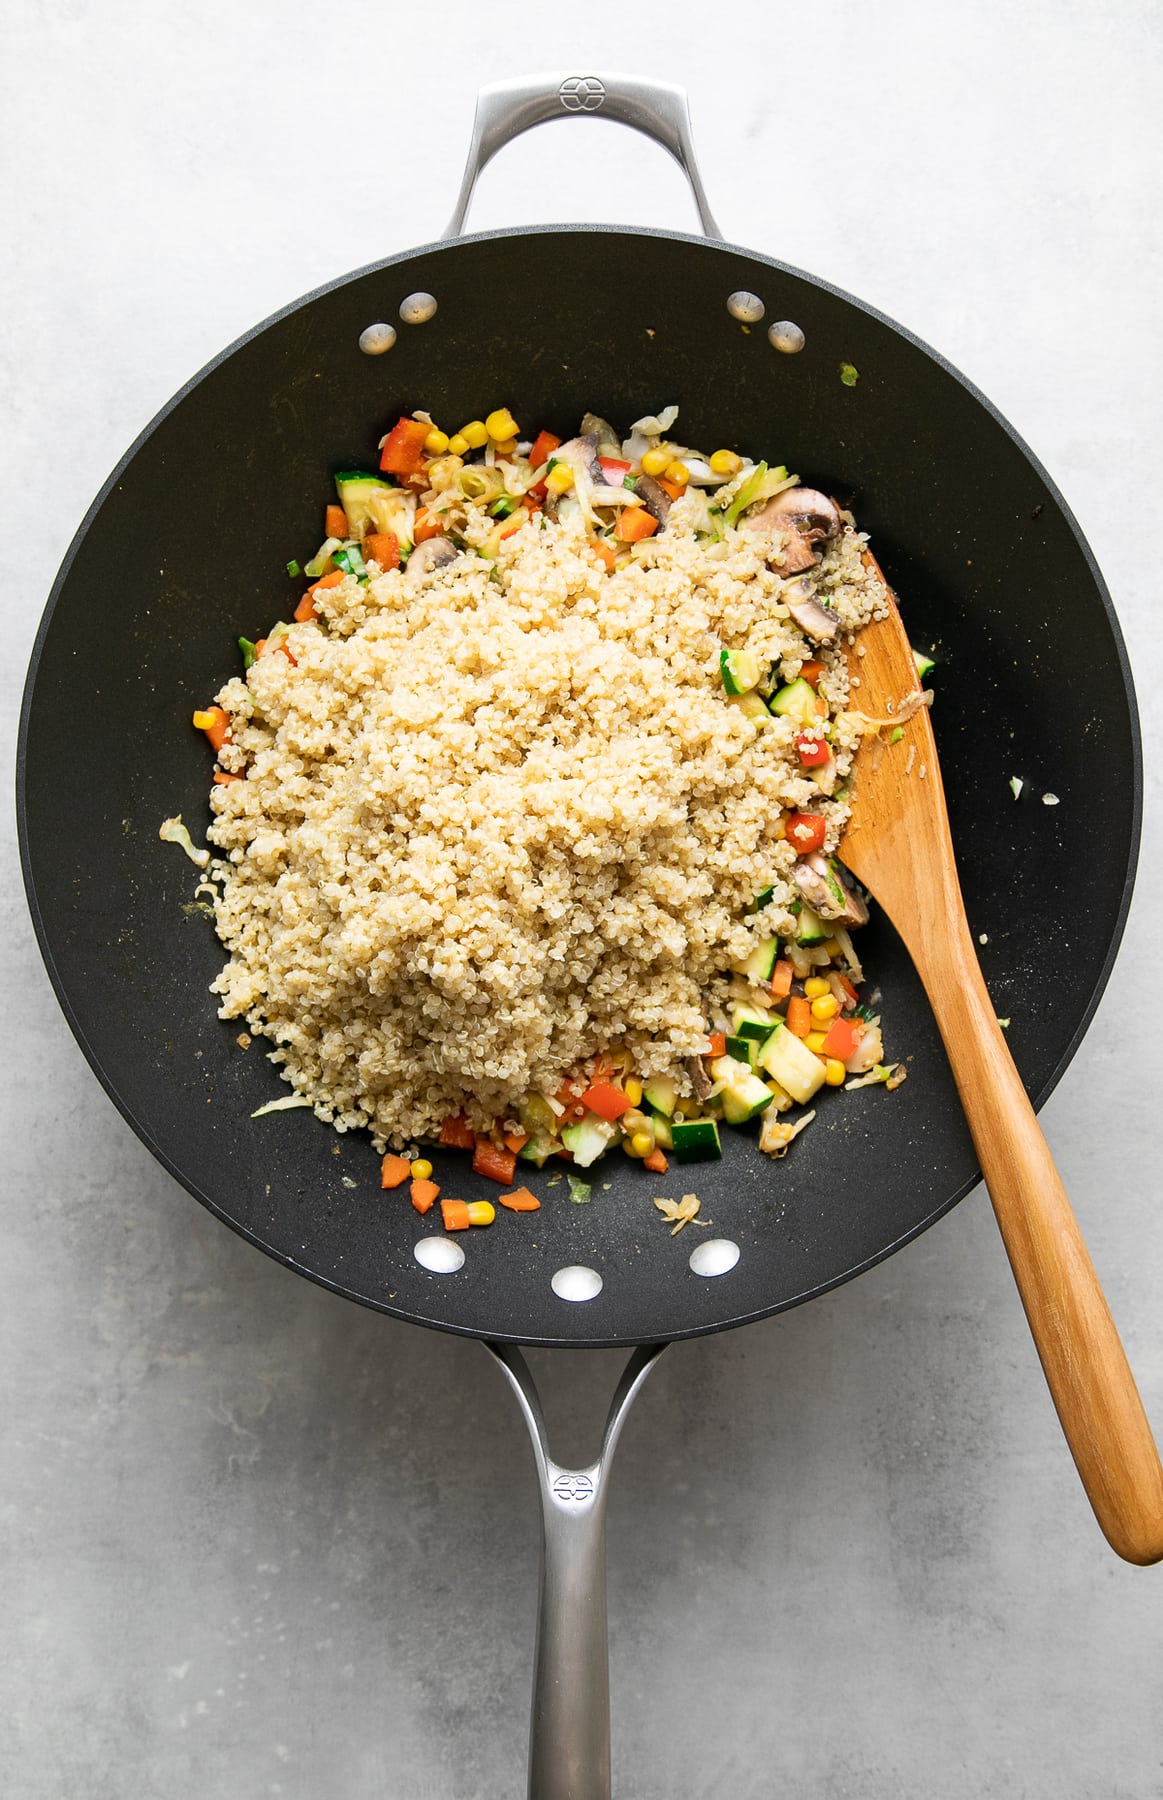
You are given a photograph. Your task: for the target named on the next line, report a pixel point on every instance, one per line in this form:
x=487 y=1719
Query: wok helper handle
x=1082 y=1356
x=569 y=1734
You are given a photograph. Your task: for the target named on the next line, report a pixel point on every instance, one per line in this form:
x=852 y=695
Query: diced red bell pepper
x=805 y=832
x=615 y=470
x=608 y=1101
x=403 y=451
x=843 y=1038
x=812 y=751
x=457 y=1133
x=491 y=1160
x=544 y=444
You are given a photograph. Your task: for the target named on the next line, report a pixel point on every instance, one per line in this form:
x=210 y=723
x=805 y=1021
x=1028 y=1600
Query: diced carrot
x=605 y=555
x=382 y=547
x=335 y=522
x=516 y=1140
x=520 y=1200
x=608 y=1101
x=216 y=724
x=425 y=527
x=673 y=488
x=635 y=524
x=305 y=611
x=812 y=670
x=655 y=1162
x=781 y=980
x=718 y=1043
x=843 y=1037
x=457 y=1133
x=491 y=1160
x=260 y=646
x=455 y=1215
x=403 y=451
x=394 y=1171
x=327 y=581
x=223 y=779
x=281 y=650
x=799 y=1016
x=424 y=1195
x=849 y=990
x=530 y=502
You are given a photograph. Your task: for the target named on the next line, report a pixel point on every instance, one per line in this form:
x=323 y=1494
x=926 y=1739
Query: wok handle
x=507 y=108
x=1085 y=1365
x=569 y=1733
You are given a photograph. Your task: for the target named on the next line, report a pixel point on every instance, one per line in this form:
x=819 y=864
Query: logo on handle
x=581 y=93
x=573 y=1487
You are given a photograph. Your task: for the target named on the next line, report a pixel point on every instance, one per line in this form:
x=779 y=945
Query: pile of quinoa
x=499 y=818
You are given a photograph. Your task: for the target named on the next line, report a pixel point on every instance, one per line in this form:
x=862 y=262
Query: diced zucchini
x=925 y=664
x=761 y=899
x=752 y=706
x=812 y=929
x=761 y=962
x=661 y=1129
x=751 y=1021
x=537 y=1150
x=374 y=505
x=787 y=1059
x=696 y=1140
x=744 y=1050
x=796 y=701
x=740 y=670
x=659 y=1094
x=588 y=1139
x=743 y=1094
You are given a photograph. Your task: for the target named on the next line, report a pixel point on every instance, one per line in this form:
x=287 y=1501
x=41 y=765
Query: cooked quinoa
x=498 y=818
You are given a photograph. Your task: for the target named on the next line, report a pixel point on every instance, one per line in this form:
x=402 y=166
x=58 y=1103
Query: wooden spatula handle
x=1084 y=1361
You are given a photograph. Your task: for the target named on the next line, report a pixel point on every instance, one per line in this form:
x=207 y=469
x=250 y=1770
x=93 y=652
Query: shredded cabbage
x=174 y=832
x=283 y=1105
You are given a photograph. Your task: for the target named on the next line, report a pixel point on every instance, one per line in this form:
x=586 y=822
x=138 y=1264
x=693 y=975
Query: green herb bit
x=897 y=735
x=579 y=1191
x=248 y=652
x=849 y=374
x=293 y=568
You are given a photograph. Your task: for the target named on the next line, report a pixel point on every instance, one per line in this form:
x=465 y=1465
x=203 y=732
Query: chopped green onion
x=293 y=568
x=500 y=509
x=248 y=652
x=579 y=1191
x=849 y=374
x=897 y=735
x=1016 y=786
x=1004 y=1023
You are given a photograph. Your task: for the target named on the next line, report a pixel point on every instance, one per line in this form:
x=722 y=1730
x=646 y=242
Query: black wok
x=184 y=548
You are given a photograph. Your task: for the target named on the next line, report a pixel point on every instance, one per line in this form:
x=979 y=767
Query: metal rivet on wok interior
x=576 y=1282
x=439 y=1255
x=417 y=309
x=715 y=1256
x=747 y=308
x=375 y=339
x=786 y=336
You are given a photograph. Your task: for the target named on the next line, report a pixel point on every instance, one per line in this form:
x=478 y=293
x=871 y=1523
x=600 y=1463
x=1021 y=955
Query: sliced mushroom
x=582 y=452
x=433 y=553
x=609 y=443
x=828 y=888
x=814 y=620
x=804 y=517
x=654 y=499
x=700 y=1080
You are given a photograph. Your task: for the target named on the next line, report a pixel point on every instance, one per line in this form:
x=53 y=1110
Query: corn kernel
x=202 y=721
x=825 y=1008
x=475 y=434
x=815 y=1041
x=481 y=1212
x=655 y=462
x=725 y=462
x=816 y=987
x=628 y=1147
x=421 y=1169
x=436 y=443
x=501 y=424
x=632 y=1088
x=677 y=472
x=506 y=446
x=642 y=1143
x=559 y=479
x=834 y=1072
x=458 y=444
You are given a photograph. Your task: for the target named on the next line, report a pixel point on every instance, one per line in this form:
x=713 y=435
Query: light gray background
x=255 y=1541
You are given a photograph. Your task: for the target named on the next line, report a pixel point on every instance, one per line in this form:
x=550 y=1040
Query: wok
x=184 y=548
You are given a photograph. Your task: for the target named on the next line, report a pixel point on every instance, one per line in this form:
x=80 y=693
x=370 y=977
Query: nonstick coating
x=184 y=549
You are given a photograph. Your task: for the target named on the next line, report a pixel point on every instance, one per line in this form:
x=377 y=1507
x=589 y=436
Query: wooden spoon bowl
x=898 y=845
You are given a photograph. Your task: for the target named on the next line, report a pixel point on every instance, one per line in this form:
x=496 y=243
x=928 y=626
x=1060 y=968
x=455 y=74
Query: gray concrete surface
x=254 y=1541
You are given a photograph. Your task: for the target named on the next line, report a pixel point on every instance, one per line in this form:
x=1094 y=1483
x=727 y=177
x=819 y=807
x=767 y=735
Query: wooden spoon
x=898 y=845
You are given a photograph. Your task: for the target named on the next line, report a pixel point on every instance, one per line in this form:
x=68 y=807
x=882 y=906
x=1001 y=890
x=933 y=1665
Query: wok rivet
x=747 y=308
x=714 y=1257
x=417 y=309
x=786 y=336
x=375 y=339
x=439 y=1255
x=576 y=1282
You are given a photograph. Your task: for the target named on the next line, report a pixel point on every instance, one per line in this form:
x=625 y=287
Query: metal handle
x=569 y=1732
x=507 y=108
